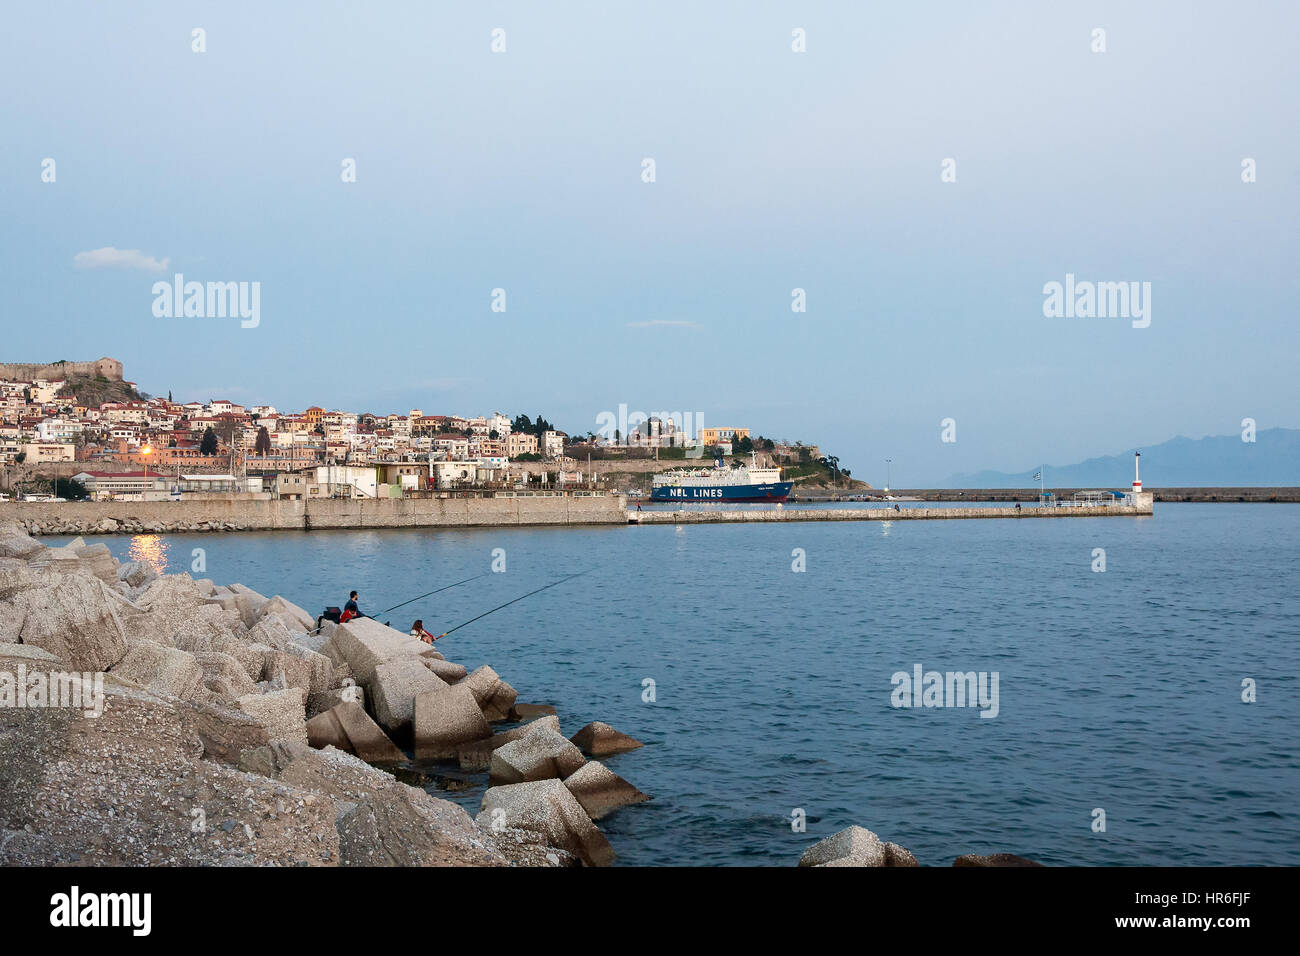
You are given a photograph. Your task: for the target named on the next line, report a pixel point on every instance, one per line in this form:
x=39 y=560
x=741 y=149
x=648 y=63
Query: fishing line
x=508 y=603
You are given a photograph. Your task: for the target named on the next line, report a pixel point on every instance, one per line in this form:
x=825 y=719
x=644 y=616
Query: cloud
x=110 y=258
x=664 y=323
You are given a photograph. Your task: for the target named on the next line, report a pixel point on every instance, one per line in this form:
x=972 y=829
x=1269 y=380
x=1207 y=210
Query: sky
x=774 y=170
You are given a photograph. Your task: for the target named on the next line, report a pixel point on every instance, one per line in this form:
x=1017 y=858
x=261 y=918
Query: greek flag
x=1038 y=475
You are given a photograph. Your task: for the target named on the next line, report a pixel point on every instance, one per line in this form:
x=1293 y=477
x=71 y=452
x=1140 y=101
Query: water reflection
x=151 y=551
x=884 y=528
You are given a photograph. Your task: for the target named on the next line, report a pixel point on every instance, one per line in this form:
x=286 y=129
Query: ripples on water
x=1119 y=690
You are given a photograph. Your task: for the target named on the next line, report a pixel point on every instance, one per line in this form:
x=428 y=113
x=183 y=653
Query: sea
x=1140 y=699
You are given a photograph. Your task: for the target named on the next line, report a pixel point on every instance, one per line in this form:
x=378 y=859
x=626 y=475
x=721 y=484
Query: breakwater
x=244 y=514
x=1142 y=509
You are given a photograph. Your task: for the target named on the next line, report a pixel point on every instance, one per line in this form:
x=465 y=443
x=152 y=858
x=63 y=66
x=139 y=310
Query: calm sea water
x=1119 y=690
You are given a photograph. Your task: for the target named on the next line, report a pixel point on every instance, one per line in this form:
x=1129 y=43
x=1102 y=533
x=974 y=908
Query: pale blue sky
x=775 y=170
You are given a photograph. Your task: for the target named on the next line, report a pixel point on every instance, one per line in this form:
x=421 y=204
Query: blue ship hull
x=771 y=491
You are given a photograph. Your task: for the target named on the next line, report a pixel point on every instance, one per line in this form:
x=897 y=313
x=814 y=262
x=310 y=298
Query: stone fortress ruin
x=109 y=368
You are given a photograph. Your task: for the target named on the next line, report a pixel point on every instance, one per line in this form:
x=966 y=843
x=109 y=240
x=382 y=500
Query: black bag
x=331 y=614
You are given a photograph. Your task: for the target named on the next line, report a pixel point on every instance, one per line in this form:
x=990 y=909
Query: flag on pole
x=1038 y=475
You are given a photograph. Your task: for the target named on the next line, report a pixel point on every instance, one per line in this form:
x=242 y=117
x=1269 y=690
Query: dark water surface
x=1118 y=690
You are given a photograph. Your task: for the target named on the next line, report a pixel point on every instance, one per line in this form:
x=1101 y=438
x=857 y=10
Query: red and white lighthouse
x=1137 y=478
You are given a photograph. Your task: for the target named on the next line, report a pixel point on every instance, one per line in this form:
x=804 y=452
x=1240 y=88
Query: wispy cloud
x=664 y=323
x=110 y=258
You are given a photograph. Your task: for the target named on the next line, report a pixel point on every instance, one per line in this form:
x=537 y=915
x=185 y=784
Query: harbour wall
x=216 y=514
x=1142 y=509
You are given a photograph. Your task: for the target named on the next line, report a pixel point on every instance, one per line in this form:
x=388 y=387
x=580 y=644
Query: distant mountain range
x=1273 y=459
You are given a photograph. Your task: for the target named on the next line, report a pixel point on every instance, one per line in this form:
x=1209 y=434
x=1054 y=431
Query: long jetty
x=1141 y=509
x=239 y=514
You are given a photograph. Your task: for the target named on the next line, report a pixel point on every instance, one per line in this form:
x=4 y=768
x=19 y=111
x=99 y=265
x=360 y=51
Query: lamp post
x=888 y=462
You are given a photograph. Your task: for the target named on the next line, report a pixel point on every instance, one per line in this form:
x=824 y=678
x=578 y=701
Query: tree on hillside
x=71 y=489
x=263 y=444
x=743 y=445
x=208 y=446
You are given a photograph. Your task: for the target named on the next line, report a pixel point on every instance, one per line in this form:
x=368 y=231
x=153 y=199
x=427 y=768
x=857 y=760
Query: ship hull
x=725 y=494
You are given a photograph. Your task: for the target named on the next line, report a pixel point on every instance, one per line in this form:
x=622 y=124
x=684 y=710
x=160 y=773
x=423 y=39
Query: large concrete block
x=855 y=846
x=539 y=755
x=394 y=687
x=223 y=732
x=161 y=670
x=599 y=739
x=281 y=712
x=224 y=674
x=324 y=730
x=285 y=608
x=75 y=620
x=495 y=697
x=368 y=740
x=446 y=718
x=97 y=561
x=364 y=644
x=16 y=543
x=600 y=791
x=546 y=807
x=446 y=671
x=478 y=755
x=322 y=668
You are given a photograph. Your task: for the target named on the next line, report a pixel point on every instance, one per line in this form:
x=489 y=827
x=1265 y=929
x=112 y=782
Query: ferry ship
x=719 y=484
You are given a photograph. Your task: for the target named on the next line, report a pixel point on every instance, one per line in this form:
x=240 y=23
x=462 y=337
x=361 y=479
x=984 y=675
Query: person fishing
x=417 y=630
x=351 y=609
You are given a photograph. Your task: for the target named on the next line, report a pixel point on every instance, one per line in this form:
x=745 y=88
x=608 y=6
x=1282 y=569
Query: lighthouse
x=1137 y=478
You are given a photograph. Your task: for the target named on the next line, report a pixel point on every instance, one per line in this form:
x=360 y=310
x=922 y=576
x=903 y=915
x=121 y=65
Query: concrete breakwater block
x=495 y=697
x=351 y=730
x=478 y=755
x=224 y=674
x=161 y=670
x=530 y=711
x=539 y=755
x=445 y=718
x=599 y=739
x=546 y=807
x=395 y=685
x=364 y=644
x=16 y=543
x=446 y=671
x=75 y=620
x=856 y=846
x=282 y=712
x=224 y=733
x=286 y=608
x=600 y=791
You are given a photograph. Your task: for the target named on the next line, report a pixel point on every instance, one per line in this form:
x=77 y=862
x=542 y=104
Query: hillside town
x=136 y=447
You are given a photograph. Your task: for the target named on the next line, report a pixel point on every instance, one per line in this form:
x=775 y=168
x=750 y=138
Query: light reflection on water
x=150 y=550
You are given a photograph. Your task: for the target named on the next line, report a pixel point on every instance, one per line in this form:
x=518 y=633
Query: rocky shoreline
x=153 y=719
x=125 y=526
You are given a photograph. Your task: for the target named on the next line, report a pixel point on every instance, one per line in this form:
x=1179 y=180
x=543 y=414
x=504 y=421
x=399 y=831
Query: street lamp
x=888 y=462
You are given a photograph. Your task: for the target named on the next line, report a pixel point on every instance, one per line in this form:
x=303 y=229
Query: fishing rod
x=434 y=591
x=508 y=603
x=414 y=599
